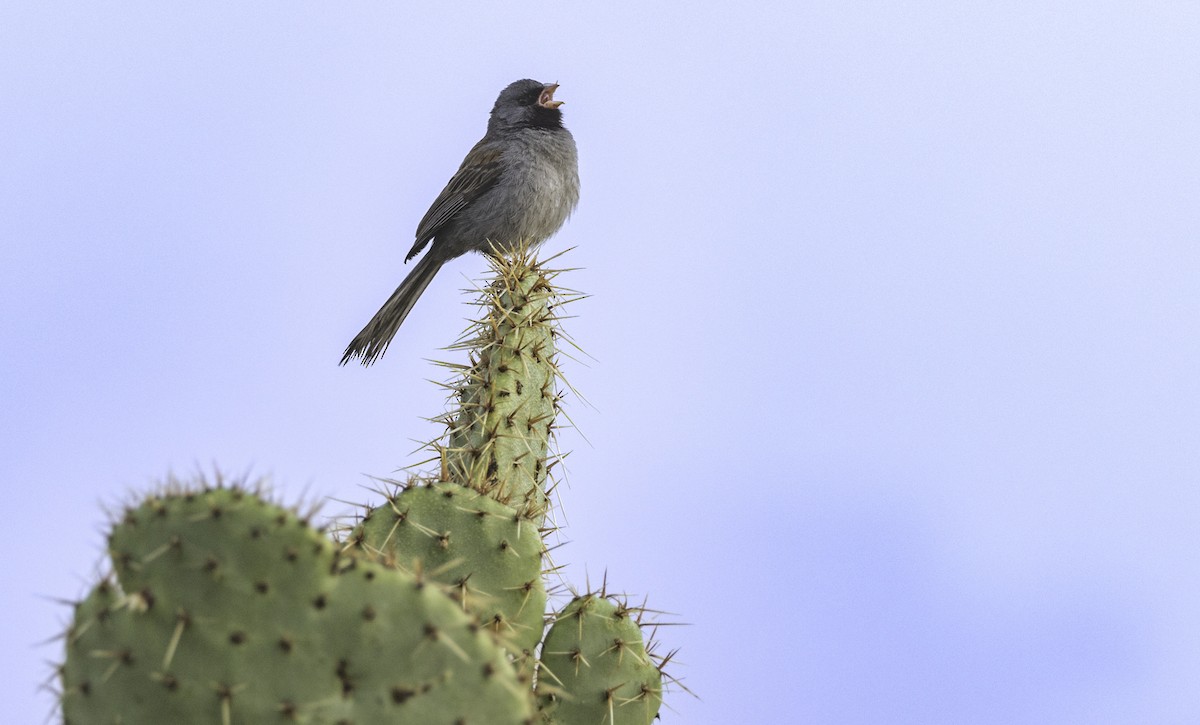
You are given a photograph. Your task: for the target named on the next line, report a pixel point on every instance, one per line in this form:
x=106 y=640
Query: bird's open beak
x=546 y=100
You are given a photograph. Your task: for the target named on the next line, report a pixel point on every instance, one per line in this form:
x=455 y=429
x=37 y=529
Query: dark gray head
x=526 y=104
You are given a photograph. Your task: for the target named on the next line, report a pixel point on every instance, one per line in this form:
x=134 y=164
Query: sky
x=891 y=391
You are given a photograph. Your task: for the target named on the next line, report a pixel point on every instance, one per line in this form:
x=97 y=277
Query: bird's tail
x=369 y=344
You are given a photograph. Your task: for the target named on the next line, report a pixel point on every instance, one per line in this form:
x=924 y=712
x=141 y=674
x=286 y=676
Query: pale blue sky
x=895 y=316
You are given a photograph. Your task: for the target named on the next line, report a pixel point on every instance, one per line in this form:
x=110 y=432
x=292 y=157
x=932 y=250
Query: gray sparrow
x=517 y=185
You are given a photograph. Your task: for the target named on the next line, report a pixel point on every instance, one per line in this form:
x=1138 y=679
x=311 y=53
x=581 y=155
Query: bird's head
x=527 y=103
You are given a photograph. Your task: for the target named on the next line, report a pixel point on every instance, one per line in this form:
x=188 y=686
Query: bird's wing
x=479 y=172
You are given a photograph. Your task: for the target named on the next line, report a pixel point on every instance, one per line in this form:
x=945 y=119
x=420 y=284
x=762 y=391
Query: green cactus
x=429 y=608
x=490 y=555
x=236 y=611
x=595 y=667
x=500 y=434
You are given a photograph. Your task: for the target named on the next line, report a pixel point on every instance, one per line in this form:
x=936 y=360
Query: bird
x=517 y=185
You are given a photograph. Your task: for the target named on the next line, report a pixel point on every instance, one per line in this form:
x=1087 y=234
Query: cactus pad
x=499 y=435
x=595 y=668
x=233 y=610
x=489 y=555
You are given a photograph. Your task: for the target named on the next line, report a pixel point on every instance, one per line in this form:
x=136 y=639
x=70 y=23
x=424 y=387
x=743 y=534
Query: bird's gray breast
x=543 y=178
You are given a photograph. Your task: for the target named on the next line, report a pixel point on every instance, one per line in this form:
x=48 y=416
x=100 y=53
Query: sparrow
x=517 y=185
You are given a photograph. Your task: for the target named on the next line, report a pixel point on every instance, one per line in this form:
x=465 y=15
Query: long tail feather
x=374 y=339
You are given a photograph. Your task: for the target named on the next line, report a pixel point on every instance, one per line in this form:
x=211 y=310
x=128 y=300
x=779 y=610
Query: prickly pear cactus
x=233 y=610
x=428 y=608
x=595 y=667
x=498 y=438
x=488 y=554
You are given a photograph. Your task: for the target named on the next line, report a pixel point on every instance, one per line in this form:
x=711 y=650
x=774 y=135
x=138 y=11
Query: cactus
x=428 y=608
x=235 y=611
x=595 y=667
x=489 y=554
x=499 y=436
